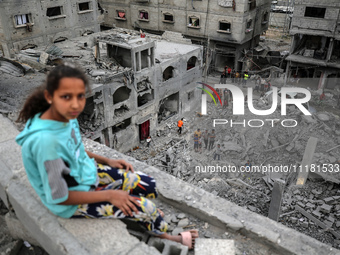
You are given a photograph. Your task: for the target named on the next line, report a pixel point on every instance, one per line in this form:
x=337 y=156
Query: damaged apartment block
x=314 y=53
x=229 y=28
x=132 y=95
x=34 y=23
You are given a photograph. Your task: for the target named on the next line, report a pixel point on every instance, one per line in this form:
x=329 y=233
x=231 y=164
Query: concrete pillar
x=5 y=50
x=139 y=61
x=149 y=57
x=152 y=56
x=322 y=81
x=293 y=44
x=330 y=49
x=287 y=73
x=134 y=61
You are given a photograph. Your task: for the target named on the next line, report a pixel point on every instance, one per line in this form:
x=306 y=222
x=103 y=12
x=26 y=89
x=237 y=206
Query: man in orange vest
x=179 y=125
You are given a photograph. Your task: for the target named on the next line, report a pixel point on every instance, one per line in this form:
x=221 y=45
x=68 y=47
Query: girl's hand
x=125 y=202
x=121 y=164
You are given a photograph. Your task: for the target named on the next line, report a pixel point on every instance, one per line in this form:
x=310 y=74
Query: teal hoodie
x=56 y=162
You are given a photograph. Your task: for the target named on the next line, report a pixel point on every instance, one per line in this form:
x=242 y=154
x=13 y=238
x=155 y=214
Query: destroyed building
x=28 y=24
x=314 y=53
x=137 y=83
x=227 y=27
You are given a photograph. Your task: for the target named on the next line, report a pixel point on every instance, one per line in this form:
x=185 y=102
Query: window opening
x=60 y=39
x=29 y=46
x=168 y=17
x=191 y=63
x=265 y=18
x=191 y=95
x=53 y=11
x=145 y=98
x=315 y=12
x=249 y=22
x=84 y=6
x=225 y=26
x=143 y=15
x=121 y=111
x=194 y=22
x=121 y=126
x=252 y=5
x=121 y=14
x=168 y=107
x=168 y=73
x=22 y=19
x=121 y=94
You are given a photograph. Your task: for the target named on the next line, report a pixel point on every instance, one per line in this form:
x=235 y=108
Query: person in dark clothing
x=212 y=139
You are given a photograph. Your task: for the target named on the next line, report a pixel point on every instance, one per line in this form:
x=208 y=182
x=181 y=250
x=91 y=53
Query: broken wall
x=323 y=25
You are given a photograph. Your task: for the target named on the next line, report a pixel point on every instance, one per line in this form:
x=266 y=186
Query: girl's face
x=68 y=101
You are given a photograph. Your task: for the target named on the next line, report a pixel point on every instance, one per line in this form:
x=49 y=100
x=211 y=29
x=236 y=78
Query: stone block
x=111 y=235
x=293 y=219
x=221 y=247
x=310 y=205
x=17 y=229
x=300 y=204
x=304 y=224
x=328 y=223
x=317 y=192
x=182 y=223
x=275 y=203
x=8 y=130
x=42 y=225
x=328 y=200
x=317 y=213
x=167 y=247
x=326 y=208
x=5 y=178
x=331 y=219
x=142 y=250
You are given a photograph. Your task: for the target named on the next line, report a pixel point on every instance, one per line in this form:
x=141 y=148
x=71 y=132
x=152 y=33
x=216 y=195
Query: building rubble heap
x=302 y=208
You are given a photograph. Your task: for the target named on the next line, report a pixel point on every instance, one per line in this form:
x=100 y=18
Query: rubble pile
x=312 y=209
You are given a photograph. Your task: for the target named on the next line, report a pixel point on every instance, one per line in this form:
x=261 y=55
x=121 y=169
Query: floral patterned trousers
x=137 y=184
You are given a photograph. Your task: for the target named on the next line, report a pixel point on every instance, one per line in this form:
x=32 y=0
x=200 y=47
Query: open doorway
x=144 y=130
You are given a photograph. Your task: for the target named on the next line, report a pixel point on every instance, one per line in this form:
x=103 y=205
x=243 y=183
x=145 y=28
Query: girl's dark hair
x=36 y=102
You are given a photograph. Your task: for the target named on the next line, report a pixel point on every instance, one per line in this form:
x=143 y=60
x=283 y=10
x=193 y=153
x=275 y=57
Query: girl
x=66 y=177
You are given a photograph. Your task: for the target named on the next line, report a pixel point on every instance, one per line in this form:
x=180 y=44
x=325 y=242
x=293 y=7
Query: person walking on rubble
x=245 y=78
x=212 y=139
x=148 y=141
x=180 y=126
x=237 y=77
x=66 y=177
x=198 y=133
x=223 y=78
x=217 y=152
x=206 y=138
x=196 y=142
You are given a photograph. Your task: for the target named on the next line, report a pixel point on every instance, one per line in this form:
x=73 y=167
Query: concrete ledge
x=222 y=213
x=167 y=247
x=35 y=223
x=221 y=247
